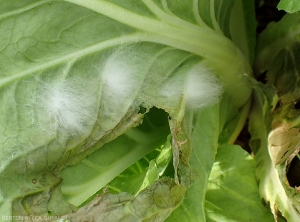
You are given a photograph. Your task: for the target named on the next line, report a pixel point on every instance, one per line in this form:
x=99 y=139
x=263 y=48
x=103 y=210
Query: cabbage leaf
x=94 y=89
x=289 y=6
x=274 y=119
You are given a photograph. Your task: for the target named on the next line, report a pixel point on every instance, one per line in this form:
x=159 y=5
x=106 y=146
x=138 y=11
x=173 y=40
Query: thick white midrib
x=219 y=51
x=213 y=17
x=176 y=21
x=151 y=30
x=201 y=38
x=71 y=57
x=128 y=39
x=198 y=42
x=196 y=13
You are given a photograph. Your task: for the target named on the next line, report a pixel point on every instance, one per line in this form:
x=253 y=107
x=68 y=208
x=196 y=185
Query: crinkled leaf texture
x=77 y=76
x=274 y=120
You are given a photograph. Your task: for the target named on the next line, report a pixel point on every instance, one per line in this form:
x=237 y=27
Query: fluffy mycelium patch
x=195 y=85
x=122 y=76
x=118 y=76
x=70 y=105
x=201 y=88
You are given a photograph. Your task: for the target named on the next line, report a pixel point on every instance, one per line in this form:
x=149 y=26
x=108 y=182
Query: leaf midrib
x=72 y=57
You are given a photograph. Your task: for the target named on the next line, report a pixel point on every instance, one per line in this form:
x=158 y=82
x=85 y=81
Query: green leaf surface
x=232 y=181
x=290 y=6
x=275 y=38
x=243 y=23
x=211 y=126
x=204 y=142
x=75 y=78
x=284 y=73
x=144 y=172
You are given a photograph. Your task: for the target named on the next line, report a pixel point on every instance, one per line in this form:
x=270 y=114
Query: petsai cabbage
x=116 y=110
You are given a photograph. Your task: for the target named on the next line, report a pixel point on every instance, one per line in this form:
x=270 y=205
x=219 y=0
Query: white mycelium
x=70 y=105
x=122 y=77
x=197 y=86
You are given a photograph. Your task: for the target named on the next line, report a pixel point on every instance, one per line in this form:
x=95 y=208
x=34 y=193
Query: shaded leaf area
x=285 y=74
x=274 y=121
x=266 y=11
x=274 y=39
x=139 y=145
x=156 y=201
x=144 y=172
